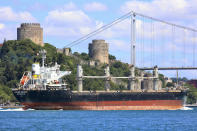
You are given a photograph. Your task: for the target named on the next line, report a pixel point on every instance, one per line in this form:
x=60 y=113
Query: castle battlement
x=30 y=24
x=98 y=41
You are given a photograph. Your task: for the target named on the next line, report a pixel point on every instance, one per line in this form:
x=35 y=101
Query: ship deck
x=103 y=91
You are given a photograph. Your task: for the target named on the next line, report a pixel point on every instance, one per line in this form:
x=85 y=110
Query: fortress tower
x=98 y=50
x=31 y=31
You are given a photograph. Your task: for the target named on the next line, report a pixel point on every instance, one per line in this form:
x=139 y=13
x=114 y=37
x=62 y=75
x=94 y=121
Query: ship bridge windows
x=34 y=81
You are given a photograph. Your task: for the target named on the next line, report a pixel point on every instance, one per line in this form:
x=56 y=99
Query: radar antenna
x=43 y=53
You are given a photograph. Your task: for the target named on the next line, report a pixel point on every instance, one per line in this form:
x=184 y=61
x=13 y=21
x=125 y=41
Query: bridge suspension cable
x=162 y=21
x=194 y=48
x=76 y=42
x=184 y=53
x=99 y=30
x=158 y=41
x=173 y=44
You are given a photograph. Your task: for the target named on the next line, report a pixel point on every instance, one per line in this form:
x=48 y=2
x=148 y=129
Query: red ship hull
x=107 y=105
x=68 y=100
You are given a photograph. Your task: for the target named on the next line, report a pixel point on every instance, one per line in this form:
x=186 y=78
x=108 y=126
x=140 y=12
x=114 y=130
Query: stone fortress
x=31 y=31
x=98 y=51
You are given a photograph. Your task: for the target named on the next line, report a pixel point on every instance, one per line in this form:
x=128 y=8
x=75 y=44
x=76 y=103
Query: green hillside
x=18 y=56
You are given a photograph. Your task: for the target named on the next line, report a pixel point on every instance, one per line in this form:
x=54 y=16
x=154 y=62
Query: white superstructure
x=43 y=77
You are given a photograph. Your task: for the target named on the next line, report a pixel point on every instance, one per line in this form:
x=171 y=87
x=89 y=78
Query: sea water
x=57 y=120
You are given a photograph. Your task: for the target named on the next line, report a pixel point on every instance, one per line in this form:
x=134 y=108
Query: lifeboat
x=24 y=79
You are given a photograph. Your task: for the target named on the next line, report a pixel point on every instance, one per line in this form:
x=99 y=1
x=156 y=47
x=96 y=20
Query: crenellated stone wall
x=98 y=50
x=31 y=31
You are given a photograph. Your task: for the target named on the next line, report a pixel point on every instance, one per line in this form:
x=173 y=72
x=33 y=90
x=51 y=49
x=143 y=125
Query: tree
x=9 y=72
x=6 y=94
x=4 y=49
x=60 y=58
x=111 y=57
x=192 y=94
x=84 y=56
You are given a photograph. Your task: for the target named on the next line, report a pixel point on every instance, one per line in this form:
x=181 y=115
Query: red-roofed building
x=1 y=44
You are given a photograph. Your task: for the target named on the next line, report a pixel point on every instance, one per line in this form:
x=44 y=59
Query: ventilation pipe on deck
x=139 y=81
x=132 y=79
x=107 y=79
x=156 y=79
x=80 y=78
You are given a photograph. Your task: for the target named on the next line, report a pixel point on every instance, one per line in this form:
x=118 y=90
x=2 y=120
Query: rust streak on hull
x=108 y=105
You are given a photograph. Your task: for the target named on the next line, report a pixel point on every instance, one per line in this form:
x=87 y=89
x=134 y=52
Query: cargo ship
x=43 y=89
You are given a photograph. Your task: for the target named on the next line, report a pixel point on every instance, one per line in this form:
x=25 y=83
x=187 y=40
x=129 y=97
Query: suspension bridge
x=154 y=42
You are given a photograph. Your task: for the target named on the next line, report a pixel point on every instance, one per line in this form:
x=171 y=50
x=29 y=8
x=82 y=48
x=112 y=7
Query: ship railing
x=31 y=89
x=93 y=77
x=114 y=91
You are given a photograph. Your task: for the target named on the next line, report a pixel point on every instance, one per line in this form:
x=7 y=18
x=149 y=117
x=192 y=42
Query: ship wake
x=15 y=109
x=186 y=108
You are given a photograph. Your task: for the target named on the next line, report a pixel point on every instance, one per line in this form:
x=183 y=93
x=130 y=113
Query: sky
x=65 y=21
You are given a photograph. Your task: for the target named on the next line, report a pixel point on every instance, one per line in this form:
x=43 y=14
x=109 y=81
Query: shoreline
x=191 y=105
x=12 y=107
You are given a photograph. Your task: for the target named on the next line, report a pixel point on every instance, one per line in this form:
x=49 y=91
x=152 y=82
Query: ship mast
x=43 y=53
